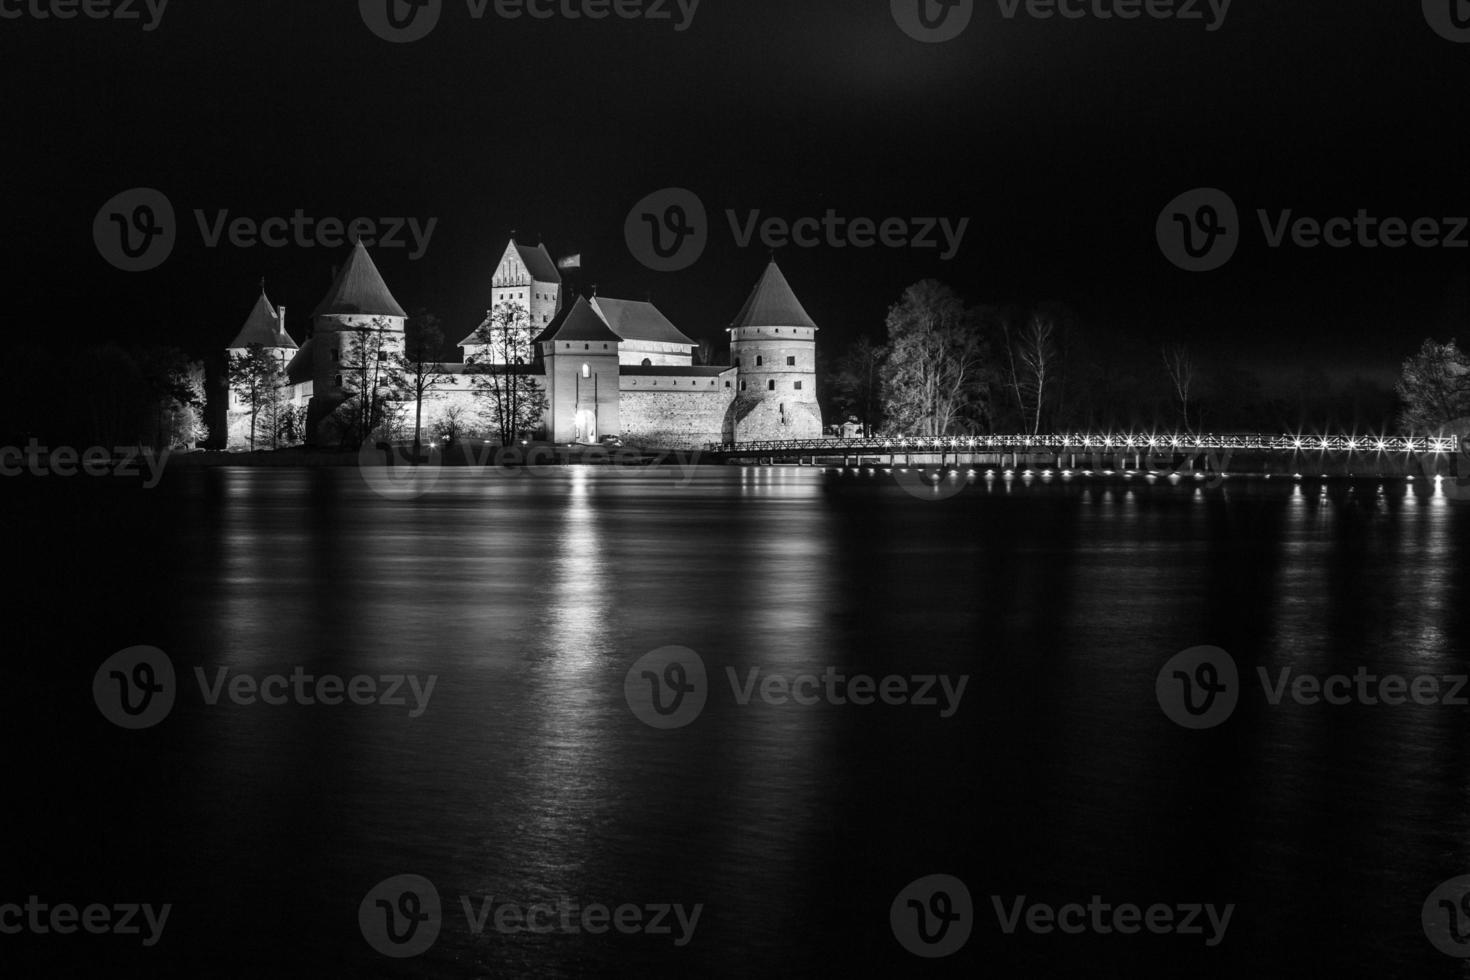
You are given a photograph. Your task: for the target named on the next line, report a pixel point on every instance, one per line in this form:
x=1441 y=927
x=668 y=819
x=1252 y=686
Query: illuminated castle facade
x=608 y=367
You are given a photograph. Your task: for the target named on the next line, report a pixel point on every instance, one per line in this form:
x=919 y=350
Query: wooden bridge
x=1374 y=452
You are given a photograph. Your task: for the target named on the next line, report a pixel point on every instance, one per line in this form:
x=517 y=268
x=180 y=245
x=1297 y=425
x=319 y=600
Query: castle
x=608 y=367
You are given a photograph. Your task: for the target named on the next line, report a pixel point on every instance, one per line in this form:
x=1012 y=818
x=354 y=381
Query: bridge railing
x=1086 y=442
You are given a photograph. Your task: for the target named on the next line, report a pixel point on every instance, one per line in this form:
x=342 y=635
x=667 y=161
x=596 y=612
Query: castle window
x=759 y=361
x=791 y=362
x=770 y=386
x=727 y=384
x=586 y=346
x=647 y=362
x=586 y=371
x=742 y=386
x=798 y=386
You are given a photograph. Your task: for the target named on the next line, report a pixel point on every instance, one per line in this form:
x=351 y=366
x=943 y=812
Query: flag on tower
x=570 y=262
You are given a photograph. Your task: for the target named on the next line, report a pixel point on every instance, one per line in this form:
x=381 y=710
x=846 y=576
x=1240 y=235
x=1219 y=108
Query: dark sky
x=1061 y=141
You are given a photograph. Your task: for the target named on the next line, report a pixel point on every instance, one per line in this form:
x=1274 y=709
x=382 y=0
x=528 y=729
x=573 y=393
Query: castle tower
x=528 y=278
x=265 y=326
x=358 y=331
x=773 y=342
x=580 y=352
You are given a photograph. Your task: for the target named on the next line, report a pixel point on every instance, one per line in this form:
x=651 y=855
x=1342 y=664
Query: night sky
x=1061 y=141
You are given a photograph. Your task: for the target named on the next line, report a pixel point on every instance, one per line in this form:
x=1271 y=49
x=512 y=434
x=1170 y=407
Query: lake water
x=528 y=779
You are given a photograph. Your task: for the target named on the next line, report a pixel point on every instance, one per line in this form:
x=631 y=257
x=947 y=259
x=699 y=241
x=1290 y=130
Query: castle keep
x=608 y=367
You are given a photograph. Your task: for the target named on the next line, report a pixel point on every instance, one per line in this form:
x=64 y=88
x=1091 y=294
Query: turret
x=358 y=331
x=773 y=342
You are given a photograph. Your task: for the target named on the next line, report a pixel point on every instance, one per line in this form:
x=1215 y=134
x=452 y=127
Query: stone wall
x=675 y=418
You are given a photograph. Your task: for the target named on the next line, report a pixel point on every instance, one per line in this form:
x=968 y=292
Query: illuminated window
x=586 y=371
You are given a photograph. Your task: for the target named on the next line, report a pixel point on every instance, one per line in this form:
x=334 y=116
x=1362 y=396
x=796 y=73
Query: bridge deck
x=1087 y=443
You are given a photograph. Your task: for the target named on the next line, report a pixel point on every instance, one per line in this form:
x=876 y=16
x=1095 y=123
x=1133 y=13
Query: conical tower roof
x=262 y=327
x=359 y=290
x=773 y=304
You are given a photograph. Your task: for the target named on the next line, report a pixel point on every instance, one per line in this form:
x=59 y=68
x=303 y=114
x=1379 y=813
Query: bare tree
x=517 y=400
x=418 y=368
x=1033 y=360
x=1181 y=376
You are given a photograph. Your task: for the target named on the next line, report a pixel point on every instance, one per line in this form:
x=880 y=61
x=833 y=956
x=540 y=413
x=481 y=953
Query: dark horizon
x=1060 y=140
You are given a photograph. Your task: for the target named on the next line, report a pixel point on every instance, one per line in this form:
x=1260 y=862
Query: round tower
x=264 y=328
x=358 y=332
x=773 y=343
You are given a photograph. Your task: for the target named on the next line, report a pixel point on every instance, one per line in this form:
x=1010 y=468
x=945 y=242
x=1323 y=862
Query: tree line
x=947 y=367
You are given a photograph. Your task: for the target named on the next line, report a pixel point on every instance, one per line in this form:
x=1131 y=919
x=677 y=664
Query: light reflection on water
x=529 y=778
